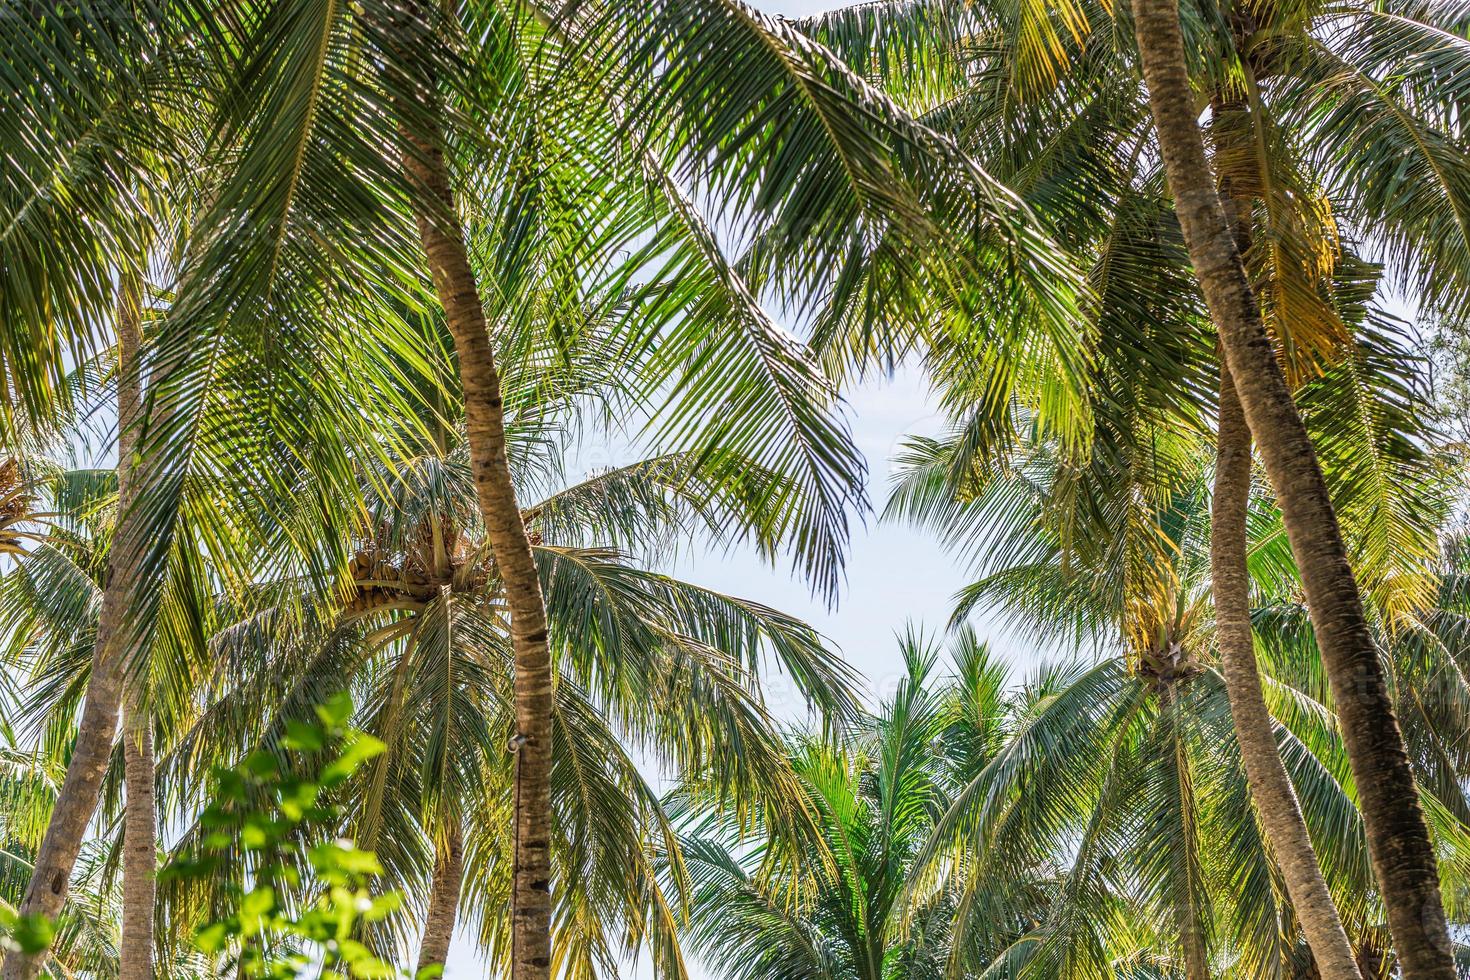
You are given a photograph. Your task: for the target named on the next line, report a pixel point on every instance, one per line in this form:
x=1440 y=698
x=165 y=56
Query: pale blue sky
x=895 y=575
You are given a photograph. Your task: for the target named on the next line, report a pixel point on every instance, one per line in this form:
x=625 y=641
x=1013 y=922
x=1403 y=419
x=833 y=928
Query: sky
x=897 y=576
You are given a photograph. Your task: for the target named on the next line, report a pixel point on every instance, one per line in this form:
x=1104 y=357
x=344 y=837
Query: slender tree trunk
x=1271 y=790
x=1193 y=943
x=1398 y=838
x=77 y=800
x=1196 y=959
x=443 y=900
x=140 y=846
x=454 y=280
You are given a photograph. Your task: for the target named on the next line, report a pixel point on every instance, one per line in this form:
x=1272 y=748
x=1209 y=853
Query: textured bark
x=443 y=900
x=1271 y=790
x=1193 y=943
x=1398 y=838
x=1196 y=962
x=140 y=847
x=77 y=800
x=454 y=281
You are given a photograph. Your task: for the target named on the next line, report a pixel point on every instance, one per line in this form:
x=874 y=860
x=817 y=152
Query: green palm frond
x=912 y=48
x=1381 y=99
x=86 y=90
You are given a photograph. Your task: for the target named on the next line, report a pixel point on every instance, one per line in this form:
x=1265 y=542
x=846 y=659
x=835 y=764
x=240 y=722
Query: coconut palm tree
x=642 y=660
x=844 y=906
x=88 y=934
x=1118 y=540
x=419 y=626
x=53 y=595
x=106 y=108
x=1277 y=79
x=364 y=125
x=212 y=518
x=103 y=707
x=1399 y=839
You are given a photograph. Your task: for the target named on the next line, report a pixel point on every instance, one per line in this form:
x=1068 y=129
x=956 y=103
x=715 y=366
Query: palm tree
x=843 y=905
x=88 y=934
x=422 y=633
x=1142 y=580
x=528 y=107
x=82 y=213
x=50 y=621
x=1342 y=75
x=641 y=659
x=1403 y=854
x=75 y=803
x=1136 y=756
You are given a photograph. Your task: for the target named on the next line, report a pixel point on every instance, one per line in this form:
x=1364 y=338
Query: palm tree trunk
x=140 y=847
x=443 y=900
x=1398 y=838
x=454 y=280
x=1271 y=790
x=1196 y=960
x=1193 y=943
x=77 y=800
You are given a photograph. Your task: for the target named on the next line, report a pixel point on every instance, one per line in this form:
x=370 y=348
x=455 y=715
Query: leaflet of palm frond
x=1378 y=96
x=655 y=505
x=1294 y=249
x=85 y=89
x=912 y=48
x=1368 y=419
